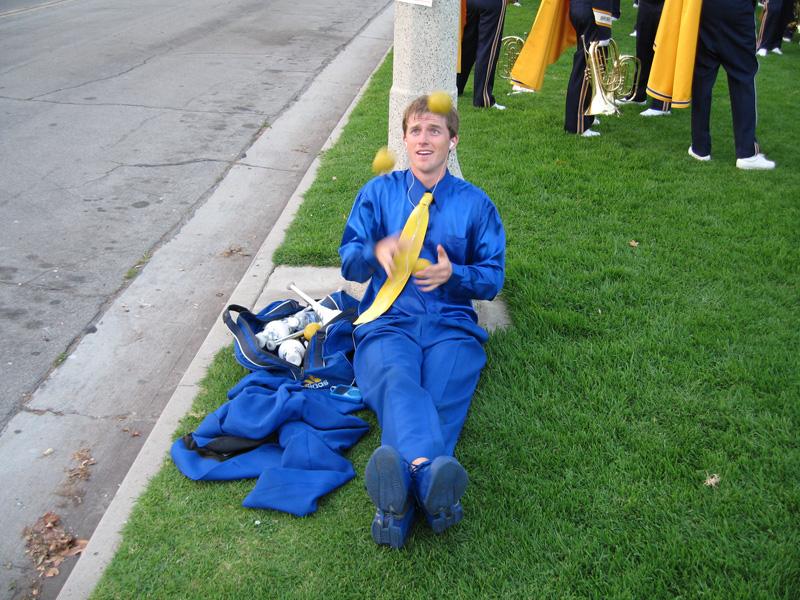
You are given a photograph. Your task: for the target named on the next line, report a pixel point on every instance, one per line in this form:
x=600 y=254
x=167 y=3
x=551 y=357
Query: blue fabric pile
x=288 y=436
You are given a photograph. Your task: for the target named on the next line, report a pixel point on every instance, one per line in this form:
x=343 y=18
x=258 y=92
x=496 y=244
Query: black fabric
x=225 y=447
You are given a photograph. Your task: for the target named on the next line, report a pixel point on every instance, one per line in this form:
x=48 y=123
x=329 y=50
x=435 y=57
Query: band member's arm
x=602 y=18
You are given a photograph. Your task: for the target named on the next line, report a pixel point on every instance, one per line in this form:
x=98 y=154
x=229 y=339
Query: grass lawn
x=653 y=353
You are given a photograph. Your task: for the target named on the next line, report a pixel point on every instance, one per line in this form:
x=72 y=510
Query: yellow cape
x=551 y=34
x=675 y=50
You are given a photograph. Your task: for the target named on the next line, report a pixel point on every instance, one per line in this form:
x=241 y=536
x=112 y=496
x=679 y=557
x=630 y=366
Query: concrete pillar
x=425 y=60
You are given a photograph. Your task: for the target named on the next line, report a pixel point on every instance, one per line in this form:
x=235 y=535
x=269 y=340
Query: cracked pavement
x=135 y=129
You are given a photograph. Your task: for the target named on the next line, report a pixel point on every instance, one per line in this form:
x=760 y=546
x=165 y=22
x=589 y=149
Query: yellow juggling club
x=404 y=260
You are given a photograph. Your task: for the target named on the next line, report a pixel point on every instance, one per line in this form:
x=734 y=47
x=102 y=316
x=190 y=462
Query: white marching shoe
x=693 y=154
x=654 y=112
x=759 y=161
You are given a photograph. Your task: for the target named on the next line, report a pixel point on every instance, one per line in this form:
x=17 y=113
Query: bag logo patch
x=315 y=383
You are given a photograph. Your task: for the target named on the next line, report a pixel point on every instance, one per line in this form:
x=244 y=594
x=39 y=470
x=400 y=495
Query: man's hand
x=431 y=277
x=385 y=250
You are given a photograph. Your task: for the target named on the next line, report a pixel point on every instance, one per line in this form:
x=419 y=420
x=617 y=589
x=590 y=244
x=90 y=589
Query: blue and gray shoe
x=388 y=483
x=439 y=486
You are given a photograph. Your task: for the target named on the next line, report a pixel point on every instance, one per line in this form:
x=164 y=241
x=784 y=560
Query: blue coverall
x=417 y=365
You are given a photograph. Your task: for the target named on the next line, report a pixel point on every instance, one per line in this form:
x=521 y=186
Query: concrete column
x=425 y=60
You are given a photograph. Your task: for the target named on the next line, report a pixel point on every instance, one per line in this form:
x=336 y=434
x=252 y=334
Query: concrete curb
x=107 y=536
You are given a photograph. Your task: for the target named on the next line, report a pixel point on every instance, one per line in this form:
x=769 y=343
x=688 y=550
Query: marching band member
x=694 y=39
x=647 y=20
x=775 y=19
x=559 y=25
x=592 y=22
x=480 y=46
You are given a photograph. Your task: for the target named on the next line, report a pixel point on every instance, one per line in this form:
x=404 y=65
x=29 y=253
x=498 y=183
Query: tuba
x=510 y=47
x=612 y=76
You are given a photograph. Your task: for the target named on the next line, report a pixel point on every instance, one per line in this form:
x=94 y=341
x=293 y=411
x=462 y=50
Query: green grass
x=631 y=374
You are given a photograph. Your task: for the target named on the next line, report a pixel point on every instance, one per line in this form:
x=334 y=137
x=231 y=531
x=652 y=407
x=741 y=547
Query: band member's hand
x=385 y=250
x=432 y=276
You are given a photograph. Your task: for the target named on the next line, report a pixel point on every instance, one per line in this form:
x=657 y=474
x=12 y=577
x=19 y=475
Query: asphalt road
x=138 y=136
x=118 y=118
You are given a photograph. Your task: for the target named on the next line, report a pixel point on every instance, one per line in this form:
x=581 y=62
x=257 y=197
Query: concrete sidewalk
x=263 y=283
x=260 y=285
x=113 y=396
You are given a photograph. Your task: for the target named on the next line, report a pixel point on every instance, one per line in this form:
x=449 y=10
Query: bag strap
x=245 y=335
x=349 y=314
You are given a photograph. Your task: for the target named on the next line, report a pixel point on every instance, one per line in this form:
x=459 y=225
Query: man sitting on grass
x=418 y=357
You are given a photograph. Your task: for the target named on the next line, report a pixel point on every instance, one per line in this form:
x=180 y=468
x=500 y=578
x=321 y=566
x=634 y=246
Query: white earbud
x=452 y=145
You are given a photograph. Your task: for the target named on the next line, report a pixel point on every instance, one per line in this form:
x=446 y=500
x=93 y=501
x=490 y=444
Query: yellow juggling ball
x=440 y=103
x=310 y=330
x=422 y=263
x=383 y=162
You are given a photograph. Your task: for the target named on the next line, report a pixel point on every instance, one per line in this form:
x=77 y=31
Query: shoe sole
x=449 y=481
x=388 y=532
x=386 y=482
x=698 y=157
x=748 y=168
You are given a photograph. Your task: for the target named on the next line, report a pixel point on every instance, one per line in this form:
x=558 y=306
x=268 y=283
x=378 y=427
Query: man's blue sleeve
x=483 y=276
x=357 y=249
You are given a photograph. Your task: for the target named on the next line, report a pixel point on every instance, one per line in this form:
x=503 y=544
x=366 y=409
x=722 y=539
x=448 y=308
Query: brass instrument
x=795 y=17
x=510 y=47
x=612 y=76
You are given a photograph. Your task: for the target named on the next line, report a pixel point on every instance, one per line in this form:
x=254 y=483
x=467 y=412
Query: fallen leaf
x=633 y=243
x=47 y=543
x=230 y=252
x=47 y=452
x=712 y=480
x=78 y=547
x=135 y=434
x=81 y=455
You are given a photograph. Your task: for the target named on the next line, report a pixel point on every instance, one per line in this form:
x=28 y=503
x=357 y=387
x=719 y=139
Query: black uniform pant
x=727 y=38
x=579 y=90
x=480 y=47
x=647 y=20
x=776 y=17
